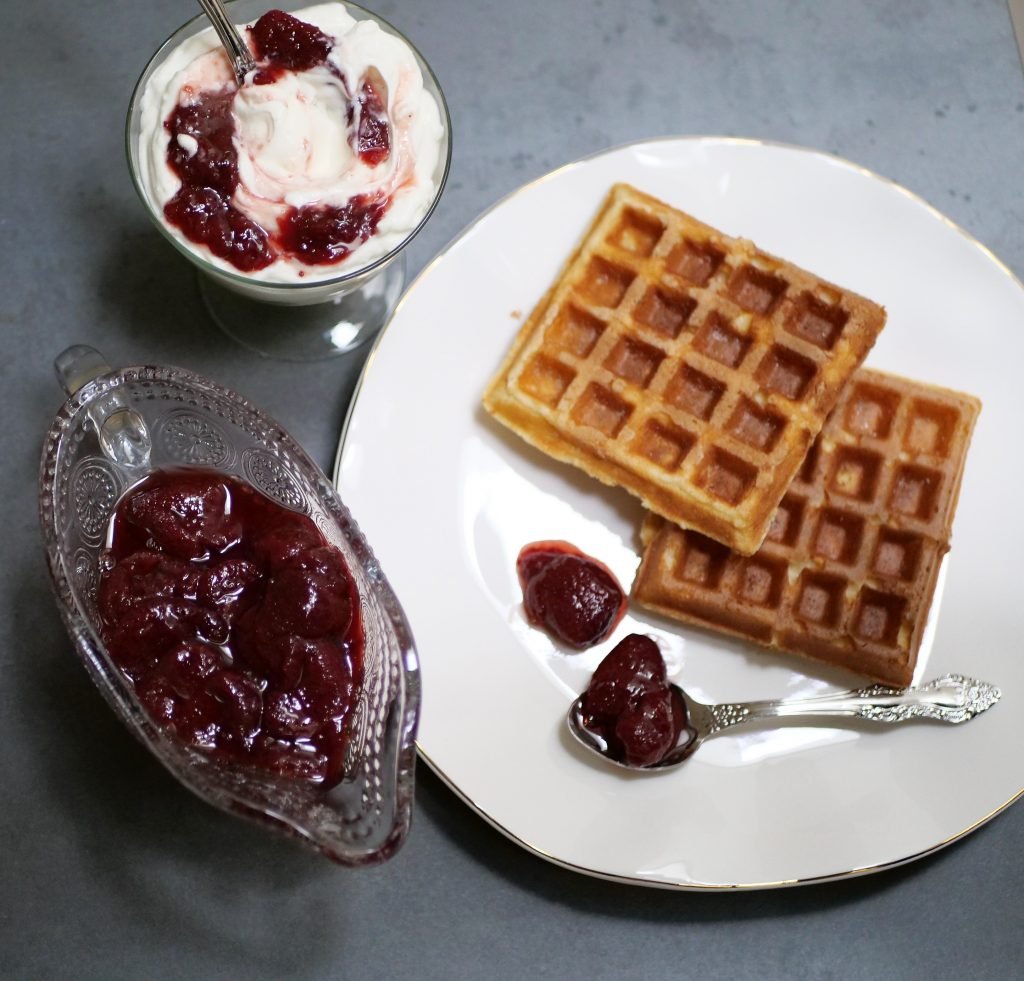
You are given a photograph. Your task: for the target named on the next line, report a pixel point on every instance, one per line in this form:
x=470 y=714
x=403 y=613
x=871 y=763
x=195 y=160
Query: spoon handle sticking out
x=952 y=698
x=238 y=51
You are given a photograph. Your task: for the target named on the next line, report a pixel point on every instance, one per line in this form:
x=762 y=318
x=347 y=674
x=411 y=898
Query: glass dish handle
x=121 y=431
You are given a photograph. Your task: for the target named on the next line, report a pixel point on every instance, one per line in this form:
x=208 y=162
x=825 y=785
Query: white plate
x=447 y=498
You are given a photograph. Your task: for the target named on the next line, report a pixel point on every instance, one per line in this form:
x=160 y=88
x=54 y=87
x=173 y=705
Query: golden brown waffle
x=684 y=365
x=847 y=572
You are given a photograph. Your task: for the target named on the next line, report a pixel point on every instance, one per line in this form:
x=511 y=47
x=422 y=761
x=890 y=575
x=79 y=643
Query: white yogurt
x=293 y=139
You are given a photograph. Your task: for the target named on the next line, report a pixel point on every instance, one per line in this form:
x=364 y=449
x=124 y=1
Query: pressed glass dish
x=291 y=321
x=119 y=426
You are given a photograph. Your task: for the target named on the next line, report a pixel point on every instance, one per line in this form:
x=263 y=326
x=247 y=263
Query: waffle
x=847 y=572
x=686 y=366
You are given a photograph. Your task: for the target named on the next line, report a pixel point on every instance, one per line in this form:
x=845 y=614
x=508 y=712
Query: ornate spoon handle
x=238 y=51
x=951 y=698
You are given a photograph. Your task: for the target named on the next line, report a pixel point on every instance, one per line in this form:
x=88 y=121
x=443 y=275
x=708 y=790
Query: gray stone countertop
x=107 y=868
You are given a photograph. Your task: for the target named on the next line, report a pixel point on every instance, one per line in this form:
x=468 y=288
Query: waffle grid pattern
x=683 y=364
x=848 y=569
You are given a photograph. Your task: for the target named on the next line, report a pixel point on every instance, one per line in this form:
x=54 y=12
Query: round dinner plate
x=447 y=498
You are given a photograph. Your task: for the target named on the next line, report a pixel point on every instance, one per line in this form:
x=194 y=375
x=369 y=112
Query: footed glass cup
x=291 y=321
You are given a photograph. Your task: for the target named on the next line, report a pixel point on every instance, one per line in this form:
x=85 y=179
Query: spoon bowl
x=953 y=699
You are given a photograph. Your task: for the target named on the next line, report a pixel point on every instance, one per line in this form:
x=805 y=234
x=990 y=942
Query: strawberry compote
x=574 y=597
x=236 y=623
x=632 y=707
x=327 y=148
x=206 y=160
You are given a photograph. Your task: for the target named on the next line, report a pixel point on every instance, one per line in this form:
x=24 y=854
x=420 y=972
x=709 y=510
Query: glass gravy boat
x=117 y=427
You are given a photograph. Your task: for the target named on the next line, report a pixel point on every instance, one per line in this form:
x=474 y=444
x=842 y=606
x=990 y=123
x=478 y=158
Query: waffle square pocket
x=686 y=366
x=847 y=572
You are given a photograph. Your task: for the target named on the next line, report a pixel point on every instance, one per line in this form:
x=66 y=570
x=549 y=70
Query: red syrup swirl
x=202 y=207
x=373 y=135
x=632 y=707
x=325 y=235
x=571 y=595
x=236 y=623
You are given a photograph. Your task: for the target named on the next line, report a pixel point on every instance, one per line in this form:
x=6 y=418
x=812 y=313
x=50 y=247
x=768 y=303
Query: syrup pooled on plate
x=572 y=596
x=631 y=706
x=236 y=623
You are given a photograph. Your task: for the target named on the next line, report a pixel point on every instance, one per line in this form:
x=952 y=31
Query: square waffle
x=847 y=572
x=686 y=366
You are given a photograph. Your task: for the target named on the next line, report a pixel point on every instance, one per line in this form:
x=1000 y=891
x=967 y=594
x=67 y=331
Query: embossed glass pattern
x=194 y=422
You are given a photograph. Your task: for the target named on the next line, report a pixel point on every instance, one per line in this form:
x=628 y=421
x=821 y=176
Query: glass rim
x=204 y=264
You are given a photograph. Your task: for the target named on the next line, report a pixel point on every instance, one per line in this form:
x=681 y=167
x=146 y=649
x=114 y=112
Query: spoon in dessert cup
x=952 y=698
x=234 y=44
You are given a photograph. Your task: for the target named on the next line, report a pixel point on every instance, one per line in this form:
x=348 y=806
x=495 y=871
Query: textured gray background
x=107 y=868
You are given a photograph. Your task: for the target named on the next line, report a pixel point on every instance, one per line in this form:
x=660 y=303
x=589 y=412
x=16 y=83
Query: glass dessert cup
x=304 y=321
x=116 y=428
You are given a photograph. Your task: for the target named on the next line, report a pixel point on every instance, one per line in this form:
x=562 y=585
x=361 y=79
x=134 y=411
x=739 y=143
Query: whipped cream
x=294 y=138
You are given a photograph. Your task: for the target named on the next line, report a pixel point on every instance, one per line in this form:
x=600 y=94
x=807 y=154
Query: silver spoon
x=951 y=698
x=238 y=51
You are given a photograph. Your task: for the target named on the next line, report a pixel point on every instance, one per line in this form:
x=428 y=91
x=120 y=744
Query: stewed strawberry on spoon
x=635 y=718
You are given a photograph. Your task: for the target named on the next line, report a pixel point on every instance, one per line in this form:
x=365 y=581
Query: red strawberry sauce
x=236 y=623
